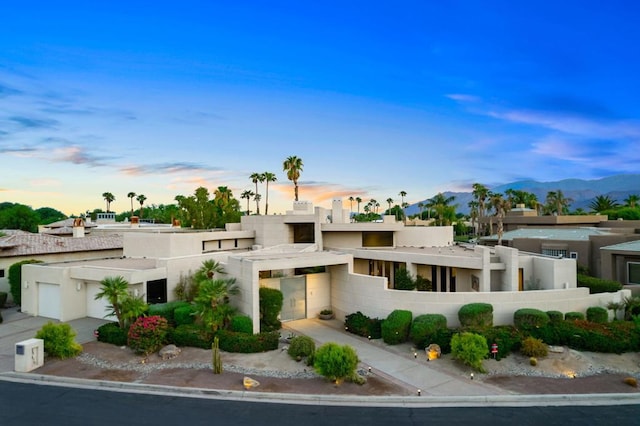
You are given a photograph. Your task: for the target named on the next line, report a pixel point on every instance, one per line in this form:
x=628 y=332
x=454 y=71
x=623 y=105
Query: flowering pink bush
x=147 y=334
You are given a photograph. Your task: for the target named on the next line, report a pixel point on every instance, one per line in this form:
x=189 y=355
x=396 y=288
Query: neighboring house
x=621 y=262
x=319 y=259
x=17 y=246
x=66 y=227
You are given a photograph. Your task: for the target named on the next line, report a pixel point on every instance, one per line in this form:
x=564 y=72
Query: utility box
x=29 y=355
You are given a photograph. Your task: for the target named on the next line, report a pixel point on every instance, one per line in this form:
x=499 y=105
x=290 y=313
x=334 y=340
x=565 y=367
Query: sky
x=376 y=97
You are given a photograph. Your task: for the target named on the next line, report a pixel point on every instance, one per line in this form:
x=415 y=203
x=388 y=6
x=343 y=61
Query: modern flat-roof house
x=621 y=262
x=319 y=259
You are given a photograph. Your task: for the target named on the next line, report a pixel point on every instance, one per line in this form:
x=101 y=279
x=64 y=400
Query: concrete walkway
x=416 y=374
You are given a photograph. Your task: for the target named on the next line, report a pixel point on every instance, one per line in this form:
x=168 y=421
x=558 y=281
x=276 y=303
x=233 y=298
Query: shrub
x=335 y=362
x=528 y=318
x=424 y=327
x=533 y=361
x=507 y=337
x=301 y=347
x=148 y=334
x=183 y=315
x=241 y=324
x=470 y=349
x=166 y=310
x=395 y=329
x=423 y=284
x=476 y=315
x=15 y=279
x=113 y=334
x=59 y=340
x=597 y=314
x=533 y=347
x=191 y=335
x=598 y=285
x=555 y=316
x=572 y=316
x=360 y=324
x=3 y=298
x=248 y=343
x=270 y=307
x=403 y=280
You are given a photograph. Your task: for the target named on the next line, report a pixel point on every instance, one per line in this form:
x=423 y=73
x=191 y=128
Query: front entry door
x=294 y=294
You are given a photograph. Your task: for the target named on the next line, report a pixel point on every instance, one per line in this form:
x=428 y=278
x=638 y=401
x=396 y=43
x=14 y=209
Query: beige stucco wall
x=166 y=245
x=269 y=230
x=424 y=236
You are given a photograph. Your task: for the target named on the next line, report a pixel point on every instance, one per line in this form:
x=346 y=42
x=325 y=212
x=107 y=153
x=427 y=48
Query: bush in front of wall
x=507 y=337
x=112 y=333
x=470 y=349
x=301 y=347
x=335 y=362
x=555 y=316
x=597 y=314
x=148 y=334
x=533 y=347
x=425 y=327
x=476 y=315
x=395 y=329
x=248 y=343
x=59 y=340
x=3 y=298
x=15 y=279
x=598 y=285
x=191 y=335
x=528 y=318
x=241 y=324
x=184 y=315
x=361 y=325
x=166 y=310
x=270 y=306
x=573 y=316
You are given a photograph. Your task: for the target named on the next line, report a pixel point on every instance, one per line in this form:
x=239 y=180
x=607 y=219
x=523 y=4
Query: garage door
x=96 y=308
x=49 y=300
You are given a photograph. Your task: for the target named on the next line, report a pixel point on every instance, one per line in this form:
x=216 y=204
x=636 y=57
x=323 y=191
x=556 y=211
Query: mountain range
x=581 y=191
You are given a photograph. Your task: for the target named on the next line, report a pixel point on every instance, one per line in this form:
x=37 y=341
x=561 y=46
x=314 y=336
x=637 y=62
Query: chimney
x=78 y=228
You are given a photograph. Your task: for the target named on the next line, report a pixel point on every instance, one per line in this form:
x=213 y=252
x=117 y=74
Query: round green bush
x=184 y=315
x=395 y=329
x=335 y=362
x=301 y=346
x=241 y=324
x=112 y=333
x=528 y=318
x=470 y=349
x=597 y=314
x=555 y=316
x=59 y=340
x=476 y=315
x=572 y=316
x=533 y=347
x=425 y=327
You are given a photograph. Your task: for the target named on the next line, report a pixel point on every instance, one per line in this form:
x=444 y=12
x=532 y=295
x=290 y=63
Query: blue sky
x=375 y=97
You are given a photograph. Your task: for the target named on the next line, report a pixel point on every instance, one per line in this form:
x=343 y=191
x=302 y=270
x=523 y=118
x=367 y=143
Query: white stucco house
x=319 y=259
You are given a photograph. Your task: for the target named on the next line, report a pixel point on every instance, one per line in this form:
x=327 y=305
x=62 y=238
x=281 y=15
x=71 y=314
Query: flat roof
x=132 y=263
x=628 y=246
x=568 y=234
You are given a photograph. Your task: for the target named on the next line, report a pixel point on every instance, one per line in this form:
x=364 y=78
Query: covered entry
x=294 y=298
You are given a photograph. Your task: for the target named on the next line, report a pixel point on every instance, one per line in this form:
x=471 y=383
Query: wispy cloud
x=464 y=98
x=77 y=155
x=164 y=168
x=8 y=91
x=33 y=123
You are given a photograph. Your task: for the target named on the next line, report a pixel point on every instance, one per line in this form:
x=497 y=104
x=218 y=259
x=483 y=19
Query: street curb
x=331 y=400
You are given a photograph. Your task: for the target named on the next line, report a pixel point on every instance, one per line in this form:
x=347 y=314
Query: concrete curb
x=607 y=399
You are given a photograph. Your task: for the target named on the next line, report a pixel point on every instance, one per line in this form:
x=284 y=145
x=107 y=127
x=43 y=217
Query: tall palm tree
x=109 y=198
x=293 y=166
x=389 y=201
x=473 y=214
x=358 y=200
x=500 y=206
x=557 y=203
x=247 y=194
x=131 y=195
x=141 y=199
x=255 y=178
x=268 y=177
x=480 y=193
x=257 y=198
x=632 y=200
x=443 y=209
x=115 y=290
x=403 y=194
x=351 y=199
x=602 y=203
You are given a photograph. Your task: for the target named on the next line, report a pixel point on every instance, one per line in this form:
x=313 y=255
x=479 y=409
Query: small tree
x=470 y=349
x=336 y=362
x=59 y=340
x=115 y=290
x=403 y=280
x=15 y=279
x=270 y=306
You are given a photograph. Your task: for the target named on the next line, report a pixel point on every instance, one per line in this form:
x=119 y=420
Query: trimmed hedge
x=112 y=333
x=15 y=279
x=184 y=315
x=241 y=324
x=582 y=335
x=425 y=327
x=572 y=316
x=395 y=329
x=191 y=335
x=555 y=316
x=270 y=306
x=360 y=324
x=166 y=310
x=476 y=315
x=598 y=285
x=248 y=343
x=597 y=314
x=507 y=337
x=529 y=318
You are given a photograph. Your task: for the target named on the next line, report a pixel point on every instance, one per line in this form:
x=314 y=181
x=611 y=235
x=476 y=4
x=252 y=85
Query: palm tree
x=115 y=290
x=557 y=203
x=500 y=205
x=255 y=178
x=632 y=200
x=402 y=194
x=602 y=203
x=247 y=194
x=257 y=198
x=109 y=198
x=268 y=177
x=131 y=195
x=443 y=208
x=473 y=214
x=351 y=199
x=208 y=269
x=293 y=166
x=389 y=201
x=480 y=194
x=358 y=200
x=141 y=199
x=210 y=303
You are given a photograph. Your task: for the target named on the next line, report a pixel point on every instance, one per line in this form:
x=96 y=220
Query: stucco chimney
x=78 y=228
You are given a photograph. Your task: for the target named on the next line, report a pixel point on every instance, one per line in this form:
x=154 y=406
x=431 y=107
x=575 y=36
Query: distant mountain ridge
x=581 y=191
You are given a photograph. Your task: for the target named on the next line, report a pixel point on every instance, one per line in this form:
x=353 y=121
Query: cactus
x=216 y=359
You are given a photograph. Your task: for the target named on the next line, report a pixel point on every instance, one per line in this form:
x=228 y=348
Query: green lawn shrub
x=231 y=341
x=3 y=298
x=572 y=316
x=555 y=316
x=335 y=362
x=529 y=318
x=470 y=349
x=15 y=279
x=191 y=335
x=241 y=324
x=425 y=327
x=507 y=337
x=183 y=315
x=476 y=315
x=147 y=335
x=361 y=325
x=166 y=310
x=112 y=333
x=597 y=314
x=270 y=306
x=533 y=347
x=403 y=280
x=598 y=285
x=395 y=328
x=301 y=347
x=423 y=284
x=582 y=335
x=59 y=340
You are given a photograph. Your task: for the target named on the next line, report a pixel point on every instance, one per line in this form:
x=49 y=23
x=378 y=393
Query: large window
x=303 y=233
x=377 y=239
x=633 y=272
x=554 y=252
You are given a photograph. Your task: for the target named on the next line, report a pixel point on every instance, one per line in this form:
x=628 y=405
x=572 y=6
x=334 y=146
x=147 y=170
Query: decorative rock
x=249 y=383
x=169 y=352
x=556 y=349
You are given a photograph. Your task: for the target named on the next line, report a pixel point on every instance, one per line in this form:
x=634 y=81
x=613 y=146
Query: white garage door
x=49 y=300
x=96 y=308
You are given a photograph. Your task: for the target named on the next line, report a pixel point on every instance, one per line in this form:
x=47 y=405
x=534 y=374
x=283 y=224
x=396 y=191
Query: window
x=633 y=269
x=303 y=233
x=554 y=252
x=1 y=273
x=377 y=239
x=573 y=254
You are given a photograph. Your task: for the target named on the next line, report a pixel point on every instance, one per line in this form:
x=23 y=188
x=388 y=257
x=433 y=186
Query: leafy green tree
x=470 y=349
x=109 y=198
x=197 y=210
x=445 y=212
x=404 y=280
x=19 y=216
x=268 y=177
x=227 y=208
x=49 y=215
x=115 y=290
x=335 y=362
x=480 y=194
x=293 y=166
